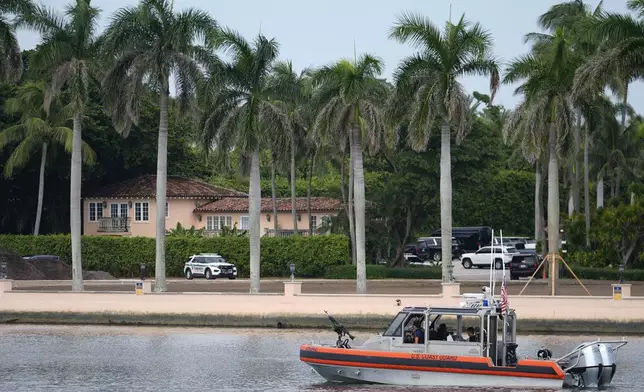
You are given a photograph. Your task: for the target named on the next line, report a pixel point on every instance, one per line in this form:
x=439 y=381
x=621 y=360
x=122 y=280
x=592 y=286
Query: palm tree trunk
x=537 y=202
x=618 y=180
x=41 y=188
x=600 y=192
x=308 y=192
x=347 y=203
x=358 y=178
x=446 y=202
x=75 y=204
x=254 y=202
x=293 y=184
x=553 y=196
x=162 y=179
x=274 y=197
x=352 y=227
x=575 y=175
x=587 y=186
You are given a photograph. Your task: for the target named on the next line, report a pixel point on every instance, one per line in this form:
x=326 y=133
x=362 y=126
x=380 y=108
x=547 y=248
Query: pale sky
x=312 y=33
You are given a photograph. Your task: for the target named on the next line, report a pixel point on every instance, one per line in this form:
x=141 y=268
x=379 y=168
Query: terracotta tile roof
x=146 y=185
x=283 y=205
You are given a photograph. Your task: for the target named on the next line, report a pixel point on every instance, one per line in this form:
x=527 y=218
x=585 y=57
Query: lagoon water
x=141 y=359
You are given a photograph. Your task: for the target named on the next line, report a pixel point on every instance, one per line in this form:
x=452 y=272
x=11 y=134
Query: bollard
x=292 y=267
x=142 y=272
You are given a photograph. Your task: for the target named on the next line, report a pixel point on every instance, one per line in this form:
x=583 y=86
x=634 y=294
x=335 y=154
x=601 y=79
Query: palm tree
x=150 y=43
x=547 y=75
x=428 y=94
x=36 y=132
x=529 y=135
x=295 y=104
x=240 y=112
x=350 y=96
x=70 y=51
x=11 y=66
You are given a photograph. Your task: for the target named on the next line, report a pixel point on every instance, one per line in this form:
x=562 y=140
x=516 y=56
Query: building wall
x=182 y=210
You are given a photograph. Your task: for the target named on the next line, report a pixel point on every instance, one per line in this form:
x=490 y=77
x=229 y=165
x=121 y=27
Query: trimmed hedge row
x=382 y=272
x=121 y=256
x=590 y=273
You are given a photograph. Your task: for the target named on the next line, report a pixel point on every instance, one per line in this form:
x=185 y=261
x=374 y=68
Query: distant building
x=128 y=208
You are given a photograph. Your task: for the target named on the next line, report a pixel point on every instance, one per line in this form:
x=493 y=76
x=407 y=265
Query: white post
x=492 y=265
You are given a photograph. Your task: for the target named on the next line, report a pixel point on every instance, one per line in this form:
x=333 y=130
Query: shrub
x=382 y=272
x=121 y=256
x=633 y=275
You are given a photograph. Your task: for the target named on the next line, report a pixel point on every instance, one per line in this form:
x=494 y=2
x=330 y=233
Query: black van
x=471 y=238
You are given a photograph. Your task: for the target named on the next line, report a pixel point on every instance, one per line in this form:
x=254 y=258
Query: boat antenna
x=492 y=264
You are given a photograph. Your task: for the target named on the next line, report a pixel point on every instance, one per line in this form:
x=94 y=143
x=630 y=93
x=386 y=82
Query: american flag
x=504 y=297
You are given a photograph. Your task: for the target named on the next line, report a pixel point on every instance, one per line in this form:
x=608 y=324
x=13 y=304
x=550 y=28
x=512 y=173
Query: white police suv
x=209 y=266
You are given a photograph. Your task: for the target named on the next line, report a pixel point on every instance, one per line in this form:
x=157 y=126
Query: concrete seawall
x=295 y=310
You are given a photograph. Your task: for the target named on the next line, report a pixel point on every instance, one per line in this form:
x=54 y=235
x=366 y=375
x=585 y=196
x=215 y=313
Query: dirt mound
x=43 y=269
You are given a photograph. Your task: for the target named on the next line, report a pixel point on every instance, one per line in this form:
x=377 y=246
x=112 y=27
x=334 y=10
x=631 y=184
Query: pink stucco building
x=129 y=208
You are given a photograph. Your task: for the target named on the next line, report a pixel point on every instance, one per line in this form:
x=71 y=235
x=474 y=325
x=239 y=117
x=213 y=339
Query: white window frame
x=120 y=209
x=98 y=211
x=241 y=222
x=167 y=210
x=217 y=222
x=139 y=217
x=314 y=222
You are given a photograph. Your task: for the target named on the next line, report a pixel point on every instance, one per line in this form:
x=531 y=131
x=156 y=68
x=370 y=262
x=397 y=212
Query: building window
x=217 y=222
x=243 y=223
x=119 y=210
x=95 y=211
x=167 y=211
x=141 y=211
x=314 y=222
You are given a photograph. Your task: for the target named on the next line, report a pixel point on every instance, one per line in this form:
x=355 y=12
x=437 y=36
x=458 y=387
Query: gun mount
x=342 y=332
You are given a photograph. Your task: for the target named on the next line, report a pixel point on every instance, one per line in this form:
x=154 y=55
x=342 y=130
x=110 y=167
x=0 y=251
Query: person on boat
x=442 y=333
x=419 y=333
x=471 y=335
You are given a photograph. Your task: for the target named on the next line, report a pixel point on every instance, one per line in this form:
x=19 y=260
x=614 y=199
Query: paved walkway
x=321 y=286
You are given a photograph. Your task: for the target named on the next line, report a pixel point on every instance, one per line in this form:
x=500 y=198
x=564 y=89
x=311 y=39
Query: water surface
x=141 y=359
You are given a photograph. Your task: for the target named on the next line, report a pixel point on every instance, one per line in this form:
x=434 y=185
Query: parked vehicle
x=470 y=238
x=524 y=266
x=483 y=257
x=209 y=266
x=430 y=248
x=41 y=257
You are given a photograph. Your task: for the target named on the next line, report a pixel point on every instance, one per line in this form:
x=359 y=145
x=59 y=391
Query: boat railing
x=617 y=344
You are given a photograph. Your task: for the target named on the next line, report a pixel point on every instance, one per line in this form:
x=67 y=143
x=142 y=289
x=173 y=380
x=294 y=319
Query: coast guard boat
x=470 y=345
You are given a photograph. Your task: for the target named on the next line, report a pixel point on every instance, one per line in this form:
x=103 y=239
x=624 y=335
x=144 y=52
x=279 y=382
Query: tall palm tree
x=530 y=137
x=240 y=112
x=36 y=132
x=428 y=93
x=11 y=66
x=150 y=43
x=351 y=96
x=70 y=51
x=547 y=76
x=297 y=88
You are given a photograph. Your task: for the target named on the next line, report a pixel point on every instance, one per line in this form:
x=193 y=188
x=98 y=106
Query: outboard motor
x=592 y=365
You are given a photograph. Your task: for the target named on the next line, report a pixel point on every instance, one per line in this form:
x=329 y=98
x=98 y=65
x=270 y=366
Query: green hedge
x=382 y=272
x=589 y=273
x=121 y=256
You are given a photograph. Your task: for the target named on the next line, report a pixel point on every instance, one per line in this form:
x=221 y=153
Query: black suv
x=524 y=266
x=430 y=248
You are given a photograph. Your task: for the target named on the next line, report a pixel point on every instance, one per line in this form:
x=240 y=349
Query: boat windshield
x=395 y=328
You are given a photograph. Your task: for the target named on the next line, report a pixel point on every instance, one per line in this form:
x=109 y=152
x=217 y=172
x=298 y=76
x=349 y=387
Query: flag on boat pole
x=504 y=297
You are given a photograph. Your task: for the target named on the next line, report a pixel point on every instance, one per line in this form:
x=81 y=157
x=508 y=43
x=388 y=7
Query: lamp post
x=292 y=268
x=621 y=273
x=142 y=271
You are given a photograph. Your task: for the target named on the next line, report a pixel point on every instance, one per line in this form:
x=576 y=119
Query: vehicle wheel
x=467 y=263
x=188 y=274
x=208 y=274
x=498 y=264
x=232 y=278
x=514 y=277
x=436 y=256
